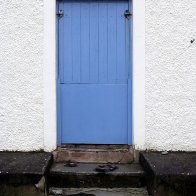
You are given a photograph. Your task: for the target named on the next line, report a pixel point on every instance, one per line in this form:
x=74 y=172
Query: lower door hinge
x=127 y=14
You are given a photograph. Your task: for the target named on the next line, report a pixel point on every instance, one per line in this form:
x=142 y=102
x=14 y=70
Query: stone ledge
x=23 y=167
x=170 y=174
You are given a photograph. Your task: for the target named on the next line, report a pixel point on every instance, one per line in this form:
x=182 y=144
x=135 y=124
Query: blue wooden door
x=94 y=100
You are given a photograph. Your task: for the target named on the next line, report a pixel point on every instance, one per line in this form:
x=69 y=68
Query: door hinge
x=60 y=13
x=127 y=14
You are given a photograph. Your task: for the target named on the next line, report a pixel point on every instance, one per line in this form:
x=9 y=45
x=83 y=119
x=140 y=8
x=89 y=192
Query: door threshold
x=94 y=153
x=95 y=146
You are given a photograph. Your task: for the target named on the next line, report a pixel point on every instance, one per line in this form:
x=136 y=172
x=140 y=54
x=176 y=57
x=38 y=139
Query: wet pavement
x=99 y=192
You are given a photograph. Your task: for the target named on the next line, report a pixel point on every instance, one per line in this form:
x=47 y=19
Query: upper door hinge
x=60 y=13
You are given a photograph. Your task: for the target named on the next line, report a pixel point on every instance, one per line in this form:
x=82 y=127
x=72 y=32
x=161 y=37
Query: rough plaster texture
x=21 y=75
x=170 y=75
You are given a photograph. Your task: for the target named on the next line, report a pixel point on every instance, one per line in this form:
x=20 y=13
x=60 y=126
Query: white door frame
x=50 y=76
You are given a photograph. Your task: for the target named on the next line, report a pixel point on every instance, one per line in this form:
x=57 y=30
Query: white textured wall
x=170 y=74
x=21 y=74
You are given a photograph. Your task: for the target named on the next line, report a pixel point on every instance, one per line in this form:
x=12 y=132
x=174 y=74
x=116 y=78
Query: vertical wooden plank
x=103 y=53
x=85 y=42
x=129 y=112
x=94 y=50
x=127 y=44
x=76 y=59
x=112 y=45
x=58 y=83
x=67 y=42
x=130 y=89
x=61 y=44
x=121 y=46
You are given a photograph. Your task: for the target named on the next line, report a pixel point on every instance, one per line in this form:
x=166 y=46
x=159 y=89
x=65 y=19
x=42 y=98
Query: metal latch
x=60 y=13
x=127 y=14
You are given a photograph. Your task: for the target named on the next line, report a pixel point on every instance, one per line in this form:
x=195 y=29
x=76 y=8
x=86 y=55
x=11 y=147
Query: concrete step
x=94 y=153
x=98 y=192
x=22 y=173
x=84 y=175
x=172 y=173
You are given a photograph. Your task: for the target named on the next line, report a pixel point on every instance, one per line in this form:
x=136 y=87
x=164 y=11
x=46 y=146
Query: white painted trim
x=50 y=116
x=50 y=106
x=139 y=74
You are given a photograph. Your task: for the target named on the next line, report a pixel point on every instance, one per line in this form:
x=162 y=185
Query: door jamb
x=50 y=75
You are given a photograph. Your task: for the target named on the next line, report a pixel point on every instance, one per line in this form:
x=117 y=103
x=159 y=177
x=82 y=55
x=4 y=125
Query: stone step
x=23 y=173
x=84 y=175
x=98 y=192
x=170 y=173
x=94 y=153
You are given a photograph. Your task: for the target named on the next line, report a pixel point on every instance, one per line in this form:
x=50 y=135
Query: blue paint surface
x=94 y=68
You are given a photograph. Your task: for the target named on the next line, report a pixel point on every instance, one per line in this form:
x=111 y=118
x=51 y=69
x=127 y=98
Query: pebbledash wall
x=21 y=74
x=169 y=85
x=170 y=76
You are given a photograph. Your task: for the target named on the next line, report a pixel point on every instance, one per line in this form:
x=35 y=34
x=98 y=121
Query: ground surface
x=172 y=173
x=99 y=192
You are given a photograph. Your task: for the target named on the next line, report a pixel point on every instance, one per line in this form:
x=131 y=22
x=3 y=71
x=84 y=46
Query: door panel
x=92 y=42
x=95 y=113
x=94 y=64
